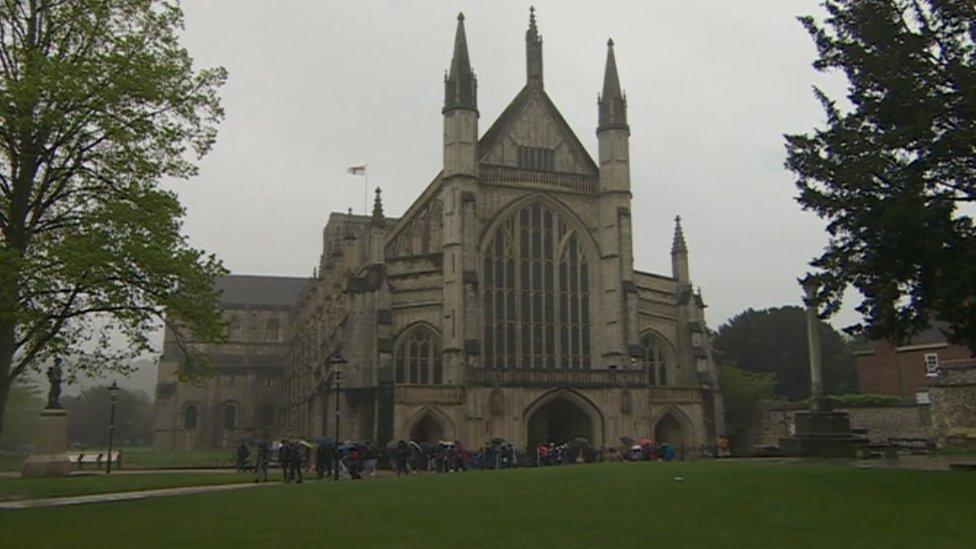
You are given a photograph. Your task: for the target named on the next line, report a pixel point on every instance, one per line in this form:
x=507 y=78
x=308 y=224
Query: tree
x=25 y=402
x=99 y=103
x=775 y=341
x=88 y=417
x=742 y=393
x=894 y=171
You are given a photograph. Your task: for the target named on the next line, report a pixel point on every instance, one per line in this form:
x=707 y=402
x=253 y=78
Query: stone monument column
x=49 y=456
x=813 y=343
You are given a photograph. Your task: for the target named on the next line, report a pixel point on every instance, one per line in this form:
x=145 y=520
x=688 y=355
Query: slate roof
x=260 y=291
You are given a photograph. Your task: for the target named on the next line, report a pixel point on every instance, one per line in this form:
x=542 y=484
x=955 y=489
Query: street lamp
x=337 y=360
x=113 y=397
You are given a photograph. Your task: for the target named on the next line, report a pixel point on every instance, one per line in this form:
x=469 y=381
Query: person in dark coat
x=242 y=454
x=322 y=459
x=402 y=455
x=296 y=452
x=262 y=456
x=283 y=458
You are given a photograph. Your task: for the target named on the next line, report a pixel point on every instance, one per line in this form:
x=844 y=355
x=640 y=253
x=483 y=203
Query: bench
x=98 y=459
x=913 y=444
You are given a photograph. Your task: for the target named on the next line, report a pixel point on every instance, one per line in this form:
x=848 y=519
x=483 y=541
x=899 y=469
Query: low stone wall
x=907 y=420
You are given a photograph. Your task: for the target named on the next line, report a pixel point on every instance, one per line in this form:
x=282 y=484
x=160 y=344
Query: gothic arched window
x=272 y=333
x=418 y=359
x=536 y=296
x=657 y=358
x=190 y=417
x=230 y=416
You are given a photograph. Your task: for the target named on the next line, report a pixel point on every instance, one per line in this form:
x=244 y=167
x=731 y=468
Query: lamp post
x=337 y=360
x=113 y=396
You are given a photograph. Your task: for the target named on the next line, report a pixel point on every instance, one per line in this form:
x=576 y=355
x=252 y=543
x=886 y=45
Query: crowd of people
x=299 y=459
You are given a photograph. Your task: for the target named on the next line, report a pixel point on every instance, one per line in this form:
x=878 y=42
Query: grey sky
x=318 y=86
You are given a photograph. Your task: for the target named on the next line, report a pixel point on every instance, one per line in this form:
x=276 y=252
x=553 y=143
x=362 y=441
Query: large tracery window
x=657 y=359
x=418 y=359
x=536 y=294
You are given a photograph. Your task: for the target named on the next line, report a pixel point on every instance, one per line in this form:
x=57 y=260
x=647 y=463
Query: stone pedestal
x=49 y=457
x=821 y=432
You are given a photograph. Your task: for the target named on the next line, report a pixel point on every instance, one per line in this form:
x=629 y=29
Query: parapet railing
x=433 y=394
x=556 y=378
x=493 y=173
x=675 y=394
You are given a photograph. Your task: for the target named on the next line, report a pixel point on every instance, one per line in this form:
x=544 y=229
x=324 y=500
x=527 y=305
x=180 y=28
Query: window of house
x=537 y=158
x=536 y=294
x=230 y=416
x=931 y=364
x=417 y=358
x=190 y=417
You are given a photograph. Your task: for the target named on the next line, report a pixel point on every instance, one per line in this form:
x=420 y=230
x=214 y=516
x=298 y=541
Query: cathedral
x=503 y=303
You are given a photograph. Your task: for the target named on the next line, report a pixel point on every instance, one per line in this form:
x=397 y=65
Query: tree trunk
x=4 y=393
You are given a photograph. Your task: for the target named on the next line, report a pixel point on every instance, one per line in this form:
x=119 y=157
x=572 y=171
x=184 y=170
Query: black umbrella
x=498 y=441
x=627 y=441
x=324 y=441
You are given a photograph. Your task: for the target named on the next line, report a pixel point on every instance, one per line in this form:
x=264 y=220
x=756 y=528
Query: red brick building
x=906 y=370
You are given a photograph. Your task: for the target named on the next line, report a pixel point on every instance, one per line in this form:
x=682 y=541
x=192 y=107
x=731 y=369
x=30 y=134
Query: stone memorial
x=49 y=456
x=821 y=431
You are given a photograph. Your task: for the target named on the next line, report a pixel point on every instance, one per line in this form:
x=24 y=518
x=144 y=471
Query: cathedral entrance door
x=427 y=429
x=670 y=430
x=559 y=421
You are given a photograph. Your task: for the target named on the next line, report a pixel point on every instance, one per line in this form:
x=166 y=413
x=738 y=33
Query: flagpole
x=365 y=193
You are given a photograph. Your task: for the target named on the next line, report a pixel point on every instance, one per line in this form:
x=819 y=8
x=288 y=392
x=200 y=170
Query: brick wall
x=887 y=371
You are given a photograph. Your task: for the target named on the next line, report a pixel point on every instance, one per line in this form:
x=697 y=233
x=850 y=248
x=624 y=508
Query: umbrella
x=346 y=447
x=645 y=442
x=414 y=445
x=627 y=441
x=580 y=441
x=636 y=447
x=306 y=444
x=497 y=441
x=324 y=441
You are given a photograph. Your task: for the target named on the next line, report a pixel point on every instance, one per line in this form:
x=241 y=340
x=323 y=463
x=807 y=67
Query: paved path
x=128 y=496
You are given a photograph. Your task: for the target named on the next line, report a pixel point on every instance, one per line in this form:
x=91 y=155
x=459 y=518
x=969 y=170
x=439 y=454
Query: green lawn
x=612 y=505
x=29 y=488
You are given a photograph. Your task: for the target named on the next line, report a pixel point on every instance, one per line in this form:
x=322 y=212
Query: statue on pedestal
x=54 y=393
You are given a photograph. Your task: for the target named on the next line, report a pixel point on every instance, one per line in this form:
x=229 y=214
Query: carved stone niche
x=626 y=403
x=496 y=402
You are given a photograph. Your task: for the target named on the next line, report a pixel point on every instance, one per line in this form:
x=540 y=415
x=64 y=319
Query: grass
x=623 y=505
x=80 y=485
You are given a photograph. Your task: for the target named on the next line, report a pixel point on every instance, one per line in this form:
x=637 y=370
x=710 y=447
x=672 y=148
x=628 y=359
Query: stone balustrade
x=506 y=174
x=556 y=378
x=675 y=394
x=432 y=394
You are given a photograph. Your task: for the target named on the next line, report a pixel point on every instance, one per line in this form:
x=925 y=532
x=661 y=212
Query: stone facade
x=243 y=398
x=504 y=302
x=953 y=396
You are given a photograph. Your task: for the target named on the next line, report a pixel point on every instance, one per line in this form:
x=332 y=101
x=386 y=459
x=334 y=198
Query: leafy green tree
x=25 y=402
x=98 y=103
x=742 y=393
x=894 y=169
x=88 y=417
x=775 y=341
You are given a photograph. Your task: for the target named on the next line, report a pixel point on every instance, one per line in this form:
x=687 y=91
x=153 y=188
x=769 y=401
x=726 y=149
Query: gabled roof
x=511 y=112
x=260 y=291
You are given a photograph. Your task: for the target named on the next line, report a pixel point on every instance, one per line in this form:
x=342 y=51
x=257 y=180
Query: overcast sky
x=317 y=86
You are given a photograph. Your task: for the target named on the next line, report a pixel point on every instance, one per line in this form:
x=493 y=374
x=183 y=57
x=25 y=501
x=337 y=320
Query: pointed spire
x=377 y=209
x=460 y=83
x=533 y=52
x=678 y=246
x=612 y=102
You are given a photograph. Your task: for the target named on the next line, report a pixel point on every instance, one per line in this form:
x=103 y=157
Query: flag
x=357 y=170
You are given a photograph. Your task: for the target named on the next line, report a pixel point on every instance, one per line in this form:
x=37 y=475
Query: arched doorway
x=560 y=420
x=427 y=429
x=672 y=430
